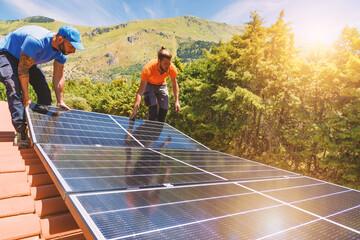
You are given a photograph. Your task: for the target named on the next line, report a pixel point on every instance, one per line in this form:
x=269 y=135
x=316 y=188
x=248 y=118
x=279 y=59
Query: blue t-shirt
x=35 y=42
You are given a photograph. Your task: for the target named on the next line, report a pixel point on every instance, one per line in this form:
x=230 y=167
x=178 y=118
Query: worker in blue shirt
x=20 y=52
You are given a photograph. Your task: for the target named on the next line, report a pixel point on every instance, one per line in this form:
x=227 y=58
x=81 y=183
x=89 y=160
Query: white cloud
x=77 y=12
x=151 y=12
x=126 y=7
x=239 y=12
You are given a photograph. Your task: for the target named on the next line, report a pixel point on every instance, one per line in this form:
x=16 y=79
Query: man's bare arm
x=175 y=88
x=25 y=63
x=138 y=97
x=59 y=83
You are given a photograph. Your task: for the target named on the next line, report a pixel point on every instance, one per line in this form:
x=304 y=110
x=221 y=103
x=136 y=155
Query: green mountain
x=120 y=50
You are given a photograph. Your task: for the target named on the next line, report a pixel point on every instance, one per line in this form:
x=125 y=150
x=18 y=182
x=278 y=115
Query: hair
x=164 y=53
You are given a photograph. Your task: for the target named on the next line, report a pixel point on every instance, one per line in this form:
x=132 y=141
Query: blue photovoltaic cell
x=330 y=204
x=269 y=185
x=312 y=191
x=226 y=166
x=349 y=217
x=88 y=168
x=53 y=125
x=157 y=135
x=50 y=124
x=226 y=210
x=319 y=229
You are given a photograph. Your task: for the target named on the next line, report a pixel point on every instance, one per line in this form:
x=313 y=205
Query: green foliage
x=2 y=92
x=255 y=97
x=75 y=102
x=39 y=19
x=178 y=64
x=115 y=98
x=193 y=50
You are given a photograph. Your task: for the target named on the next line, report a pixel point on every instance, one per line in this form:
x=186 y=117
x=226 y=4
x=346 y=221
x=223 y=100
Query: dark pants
x=157 y=100
x=9 y=77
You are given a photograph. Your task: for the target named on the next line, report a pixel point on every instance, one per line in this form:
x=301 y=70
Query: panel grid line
x=304 y=224
x=298 y=208
x=126 y=131
x=288 y=204
x=52 y=166
x=188 y=136
x=200 y=199
x=188 y=164
x=196 y=222
x=178 y=186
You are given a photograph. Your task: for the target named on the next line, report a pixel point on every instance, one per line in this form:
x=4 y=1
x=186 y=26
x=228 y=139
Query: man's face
x=66 y=47
x=165 y=64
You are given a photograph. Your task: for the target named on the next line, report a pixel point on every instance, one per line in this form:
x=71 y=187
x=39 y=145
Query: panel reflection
x=157 y=134
x=85 y=168
x=225 y=211
x=50 y=124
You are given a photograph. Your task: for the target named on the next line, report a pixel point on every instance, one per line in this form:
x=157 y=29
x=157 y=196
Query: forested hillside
x=122 y=49
x=257 y=97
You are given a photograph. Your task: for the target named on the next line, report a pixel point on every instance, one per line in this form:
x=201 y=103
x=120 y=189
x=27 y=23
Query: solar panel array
x=124 y=179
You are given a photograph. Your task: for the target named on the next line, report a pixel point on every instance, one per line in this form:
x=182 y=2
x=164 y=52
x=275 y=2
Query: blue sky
x=311 y=19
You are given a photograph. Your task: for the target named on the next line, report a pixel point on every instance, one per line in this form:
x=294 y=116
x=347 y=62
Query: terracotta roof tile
x=23 y=178
x=30 y=161
x=39 y=179
x=14 y=189
x=35 y=169
x=50 y=206
x=11 y=166
x=44 y=191
x=7 y=136
x=58 y=225
x=16 y=205
x=31 y=238
x=21 y=226
x=17 y=177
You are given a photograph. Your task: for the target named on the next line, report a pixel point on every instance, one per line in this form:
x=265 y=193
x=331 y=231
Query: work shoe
x=21 y=140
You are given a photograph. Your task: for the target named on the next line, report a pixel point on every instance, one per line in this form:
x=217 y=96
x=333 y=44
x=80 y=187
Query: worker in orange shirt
x=153 y=87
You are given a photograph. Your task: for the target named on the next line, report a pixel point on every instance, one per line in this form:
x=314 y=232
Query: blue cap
x=73 y=35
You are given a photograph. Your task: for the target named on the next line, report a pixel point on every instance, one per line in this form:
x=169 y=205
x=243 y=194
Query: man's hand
x=177 y=107
x=26 y=101
x=133 y=114
x=62 y=105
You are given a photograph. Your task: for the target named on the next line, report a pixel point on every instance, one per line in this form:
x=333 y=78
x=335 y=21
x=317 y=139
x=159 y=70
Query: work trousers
x=9 y=77
x=157 y=100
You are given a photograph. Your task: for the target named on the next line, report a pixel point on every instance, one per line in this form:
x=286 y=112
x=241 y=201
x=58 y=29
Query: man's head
x=164 y=59
x=70 y=39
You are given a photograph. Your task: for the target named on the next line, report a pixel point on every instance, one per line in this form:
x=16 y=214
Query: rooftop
x=28 y=196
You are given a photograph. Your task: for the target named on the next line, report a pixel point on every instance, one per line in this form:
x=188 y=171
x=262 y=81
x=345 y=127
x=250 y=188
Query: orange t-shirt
x=152 y=75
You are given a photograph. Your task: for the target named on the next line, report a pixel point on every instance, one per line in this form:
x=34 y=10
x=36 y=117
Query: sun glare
x=319 y=34
x=318 y=24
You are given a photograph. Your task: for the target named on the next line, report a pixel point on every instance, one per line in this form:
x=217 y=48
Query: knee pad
x=162 y=114
x=152 y=113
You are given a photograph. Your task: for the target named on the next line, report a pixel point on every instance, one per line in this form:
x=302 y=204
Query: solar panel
x=139 y=179
x=85 y=168
x=219 y=211
x=158 y=135
x=51 y=124
x=225 y=166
